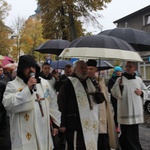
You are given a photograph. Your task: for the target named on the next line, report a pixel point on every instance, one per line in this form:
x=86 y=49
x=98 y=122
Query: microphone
x=34 y=86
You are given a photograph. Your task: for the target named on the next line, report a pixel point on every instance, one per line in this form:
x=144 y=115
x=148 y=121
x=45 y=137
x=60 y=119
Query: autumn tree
x=31 y=37
x=62 y=18
x=5 y=41
x=55 y=20
x=4 y=8
x=17 y=27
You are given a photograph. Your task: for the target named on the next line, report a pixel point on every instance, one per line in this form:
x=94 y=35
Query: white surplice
x=28 y=129
x=130 y=105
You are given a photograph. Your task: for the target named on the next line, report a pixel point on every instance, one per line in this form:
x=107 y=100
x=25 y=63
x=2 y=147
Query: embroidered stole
x=89 y=117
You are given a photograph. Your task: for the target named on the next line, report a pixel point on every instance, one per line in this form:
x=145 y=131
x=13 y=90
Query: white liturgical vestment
x=29 y=130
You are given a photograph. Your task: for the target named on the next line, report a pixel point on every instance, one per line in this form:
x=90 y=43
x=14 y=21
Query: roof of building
x=133 y=14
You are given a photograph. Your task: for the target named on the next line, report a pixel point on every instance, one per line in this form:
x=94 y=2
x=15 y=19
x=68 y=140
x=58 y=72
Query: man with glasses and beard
x=30 y=102
x=129 y=90
x=79 y=109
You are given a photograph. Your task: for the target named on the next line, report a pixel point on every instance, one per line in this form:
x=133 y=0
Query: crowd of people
x=44 y=110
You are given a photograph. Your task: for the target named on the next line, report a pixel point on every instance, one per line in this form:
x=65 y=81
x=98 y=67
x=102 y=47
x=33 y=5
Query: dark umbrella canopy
x=100 y=46
x=60 y=64
x=104 y=65
x=53 y=46
x=139 y=39
x=100 y=41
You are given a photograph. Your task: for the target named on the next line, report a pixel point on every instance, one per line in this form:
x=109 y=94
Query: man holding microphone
x=30 y=102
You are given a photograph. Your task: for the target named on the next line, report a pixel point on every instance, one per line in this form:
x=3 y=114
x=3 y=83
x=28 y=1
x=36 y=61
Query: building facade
x=139 y=20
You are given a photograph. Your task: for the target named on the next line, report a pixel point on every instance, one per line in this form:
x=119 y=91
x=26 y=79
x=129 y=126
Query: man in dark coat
x=4 y=120
x=76 y=106
x=45 y=73
x=67 y=72
x=117 y=73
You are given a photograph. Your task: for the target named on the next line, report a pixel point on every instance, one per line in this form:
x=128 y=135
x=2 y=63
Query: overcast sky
x=114 y=11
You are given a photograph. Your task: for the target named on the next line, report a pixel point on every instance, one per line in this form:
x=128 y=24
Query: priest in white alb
x=31 y=104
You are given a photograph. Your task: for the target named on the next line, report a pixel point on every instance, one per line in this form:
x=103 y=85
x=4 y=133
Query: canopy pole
x=99 y=71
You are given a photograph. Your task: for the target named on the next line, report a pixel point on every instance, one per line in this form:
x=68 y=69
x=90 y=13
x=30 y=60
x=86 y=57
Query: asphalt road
x=144 y=132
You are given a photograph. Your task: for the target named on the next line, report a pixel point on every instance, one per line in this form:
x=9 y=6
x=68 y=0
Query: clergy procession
x=69 y=81
x=45 y=110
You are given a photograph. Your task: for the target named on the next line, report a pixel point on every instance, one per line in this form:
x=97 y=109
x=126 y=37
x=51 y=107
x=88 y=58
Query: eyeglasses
x=129 y=66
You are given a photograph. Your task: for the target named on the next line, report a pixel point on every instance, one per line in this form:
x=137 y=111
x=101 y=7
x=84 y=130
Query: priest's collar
x=129 y=76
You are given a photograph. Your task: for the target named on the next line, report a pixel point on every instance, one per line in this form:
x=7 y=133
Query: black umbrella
x=139 y=39
x=100 y=41
x=100 y=46
x=53 y=46
x=104 y=65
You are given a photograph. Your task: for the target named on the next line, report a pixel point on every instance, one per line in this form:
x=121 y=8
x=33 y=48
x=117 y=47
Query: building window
x=147 y=19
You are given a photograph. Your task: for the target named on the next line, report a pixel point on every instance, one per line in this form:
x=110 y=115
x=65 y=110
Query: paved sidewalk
x=144 y=132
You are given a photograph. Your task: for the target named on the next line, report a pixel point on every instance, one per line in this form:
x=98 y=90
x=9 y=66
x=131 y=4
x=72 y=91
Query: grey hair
x=75 y=65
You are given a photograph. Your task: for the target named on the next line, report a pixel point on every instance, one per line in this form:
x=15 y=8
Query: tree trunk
x=64 y=34
x=72 y=26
